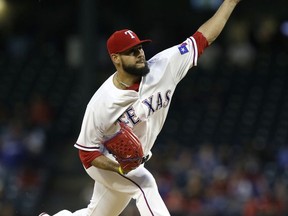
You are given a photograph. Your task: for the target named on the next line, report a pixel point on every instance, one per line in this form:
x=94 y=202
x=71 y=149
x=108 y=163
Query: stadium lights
x=3 y=9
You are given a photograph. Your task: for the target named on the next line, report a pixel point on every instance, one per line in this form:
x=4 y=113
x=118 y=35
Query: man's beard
x=137 y=71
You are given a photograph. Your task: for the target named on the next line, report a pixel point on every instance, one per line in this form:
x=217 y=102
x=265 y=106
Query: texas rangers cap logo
x=123 y=40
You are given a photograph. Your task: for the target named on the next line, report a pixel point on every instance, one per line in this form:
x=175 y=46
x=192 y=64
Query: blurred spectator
x=12 y=147
x=240 y=51
x=265 y=205
x=40 y=112
x=282 y=158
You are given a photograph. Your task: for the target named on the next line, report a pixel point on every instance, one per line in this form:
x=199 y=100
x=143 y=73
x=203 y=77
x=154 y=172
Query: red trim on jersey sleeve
x=201 y=41
x=87 y=157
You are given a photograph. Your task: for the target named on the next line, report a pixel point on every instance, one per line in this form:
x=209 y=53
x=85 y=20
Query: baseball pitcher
x=126 y=114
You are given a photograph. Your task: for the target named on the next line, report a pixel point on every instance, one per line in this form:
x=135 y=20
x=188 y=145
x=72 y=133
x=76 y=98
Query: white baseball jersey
x=146 y=110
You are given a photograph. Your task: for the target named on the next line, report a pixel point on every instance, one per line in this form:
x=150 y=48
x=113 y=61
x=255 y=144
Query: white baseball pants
x=112 y=193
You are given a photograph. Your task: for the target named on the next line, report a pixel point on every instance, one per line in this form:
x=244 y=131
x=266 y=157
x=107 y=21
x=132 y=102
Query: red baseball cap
x=123 y=40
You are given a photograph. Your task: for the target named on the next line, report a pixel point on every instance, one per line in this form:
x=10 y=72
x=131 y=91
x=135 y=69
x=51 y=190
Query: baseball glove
x=126 y=148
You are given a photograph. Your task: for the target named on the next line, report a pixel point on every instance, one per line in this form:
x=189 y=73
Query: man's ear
x=115 y=58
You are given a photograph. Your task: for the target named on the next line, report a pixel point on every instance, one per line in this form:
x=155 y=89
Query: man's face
x=134 y=62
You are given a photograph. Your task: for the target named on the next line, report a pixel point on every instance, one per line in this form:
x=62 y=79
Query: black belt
x=145 y=159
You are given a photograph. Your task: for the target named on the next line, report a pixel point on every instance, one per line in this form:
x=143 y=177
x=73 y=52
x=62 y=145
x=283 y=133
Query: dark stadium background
x=224 y=147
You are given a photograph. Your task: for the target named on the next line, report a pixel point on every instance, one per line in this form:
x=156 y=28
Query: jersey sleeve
x=87 y=157
x=201 y=42
x=178 y=59
x=175 y=61
x=90 y=135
